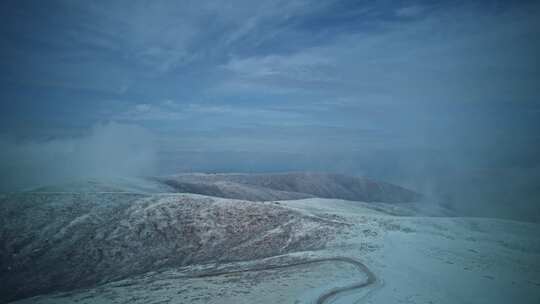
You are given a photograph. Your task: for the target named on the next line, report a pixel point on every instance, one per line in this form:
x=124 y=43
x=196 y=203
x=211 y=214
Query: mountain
x=87 y=233
x=293 y=185
x=63 y=241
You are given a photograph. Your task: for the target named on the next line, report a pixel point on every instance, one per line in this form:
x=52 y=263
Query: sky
x=407 y=91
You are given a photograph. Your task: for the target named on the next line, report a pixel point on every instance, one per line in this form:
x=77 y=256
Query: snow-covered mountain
x=142 y=241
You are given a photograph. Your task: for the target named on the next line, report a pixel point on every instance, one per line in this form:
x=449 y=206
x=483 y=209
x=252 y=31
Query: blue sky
x=353 y=86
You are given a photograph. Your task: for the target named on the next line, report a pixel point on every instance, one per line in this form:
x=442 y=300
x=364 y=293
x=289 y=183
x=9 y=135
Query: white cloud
x=109 y=150
x=304 y=66
x=149 y=112
x=213 y=113
x=410 y=11
x=143 y=108
x=462 y=54
x=168 y=103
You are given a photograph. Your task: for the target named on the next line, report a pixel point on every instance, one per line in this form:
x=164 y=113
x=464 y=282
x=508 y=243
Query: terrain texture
x=288 y=186
x=61 y=241
x=142 y=241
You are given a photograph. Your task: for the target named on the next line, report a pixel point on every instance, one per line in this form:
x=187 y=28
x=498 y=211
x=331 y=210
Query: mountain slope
x=62 y=241
x=291 y=186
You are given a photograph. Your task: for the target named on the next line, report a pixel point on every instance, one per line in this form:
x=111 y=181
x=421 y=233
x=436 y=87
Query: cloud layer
x=109 y=150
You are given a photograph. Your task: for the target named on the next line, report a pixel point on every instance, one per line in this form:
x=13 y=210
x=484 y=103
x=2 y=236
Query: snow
x=440 y=259
x=416 y=259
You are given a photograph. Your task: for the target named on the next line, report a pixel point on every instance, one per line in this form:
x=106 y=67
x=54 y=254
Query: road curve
x=371 y=278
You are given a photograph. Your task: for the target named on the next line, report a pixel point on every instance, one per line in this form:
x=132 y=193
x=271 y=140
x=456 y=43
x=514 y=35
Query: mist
x=470 y=184
x=107 y=150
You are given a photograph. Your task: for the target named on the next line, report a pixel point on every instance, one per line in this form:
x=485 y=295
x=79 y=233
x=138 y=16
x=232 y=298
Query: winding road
x=321 y=299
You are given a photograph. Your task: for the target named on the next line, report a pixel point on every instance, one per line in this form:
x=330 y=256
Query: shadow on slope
x=284 y=186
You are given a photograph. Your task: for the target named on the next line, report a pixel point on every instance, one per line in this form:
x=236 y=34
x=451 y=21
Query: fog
x=463 y=183
x=472 y=184
x=107 y=150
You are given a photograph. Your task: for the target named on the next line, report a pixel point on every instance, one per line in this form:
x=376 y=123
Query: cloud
x=410 y=11
x=304 y=66
x=109 y=150
x=462 y=54
x=249 y=115
x=164 y=111
x=211 y=115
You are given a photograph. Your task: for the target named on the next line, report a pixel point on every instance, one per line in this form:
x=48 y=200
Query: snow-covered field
x=441 y=259
x=415 y=259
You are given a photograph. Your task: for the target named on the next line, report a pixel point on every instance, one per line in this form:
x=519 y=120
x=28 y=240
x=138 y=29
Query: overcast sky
x=348 y=86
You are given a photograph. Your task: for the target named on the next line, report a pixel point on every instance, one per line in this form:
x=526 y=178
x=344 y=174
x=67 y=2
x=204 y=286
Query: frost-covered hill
x=295 y=185
x=61 y=241
x=142 y=241
x=414 y=259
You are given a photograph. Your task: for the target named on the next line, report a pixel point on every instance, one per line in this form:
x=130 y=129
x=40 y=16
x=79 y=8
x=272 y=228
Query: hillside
x=63 y=241
x=403 y=259
x=293 y=185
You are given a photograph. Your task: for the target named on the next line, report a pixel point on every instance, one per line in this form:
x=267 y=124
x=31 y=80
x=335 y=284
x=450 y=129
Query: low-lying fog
x=470 y=185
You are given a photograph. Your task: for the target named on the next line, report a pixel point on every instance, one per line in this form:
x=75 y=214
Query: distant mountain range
x=252 y=187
